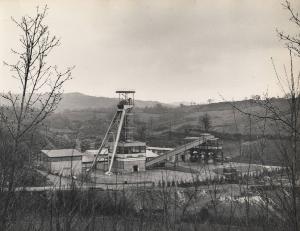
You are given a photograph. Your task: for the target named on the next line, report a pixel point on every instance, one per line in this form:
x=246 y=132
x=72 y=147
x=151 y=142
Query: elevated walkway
x=181 y=149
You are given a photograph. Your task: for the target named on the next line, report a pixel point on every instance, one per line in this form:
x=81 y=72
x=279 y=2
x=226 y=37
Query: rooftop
x=62 y=152
x=160 y=148
x=89 y=155
x=94 y=152
x=150 y=154
x=125 y=91
x=131 y=144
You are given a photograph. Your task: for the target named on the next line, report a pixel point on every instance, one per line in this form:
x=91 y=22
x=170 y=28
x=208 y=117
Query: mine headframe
x=119 y=126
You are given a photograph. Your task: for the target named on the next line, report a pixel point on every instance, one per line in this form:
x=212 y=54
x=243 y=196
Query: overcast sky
x=166 y=50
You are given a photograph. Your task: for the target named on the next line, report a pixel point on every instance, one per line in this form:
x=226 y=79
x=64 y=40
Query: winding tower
x=125 y=154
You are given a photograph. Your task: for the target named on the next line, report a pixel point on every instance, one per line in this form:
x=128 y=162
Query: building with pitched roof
x=65 y=162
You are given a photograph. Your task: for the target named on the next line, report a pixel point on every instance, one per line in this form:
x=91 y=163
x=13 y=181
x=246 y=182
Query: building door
x=135 y=168
x=183 y=158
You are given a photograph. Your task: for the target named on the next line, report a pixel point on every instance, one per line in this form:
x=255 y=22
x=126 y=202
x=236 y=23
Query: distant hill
x=79 y=101
x=223 y=118
x=161 y=119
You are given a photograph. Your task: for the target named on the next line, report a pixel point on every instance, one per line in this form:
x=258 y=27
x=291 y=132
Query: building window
x=136 y=149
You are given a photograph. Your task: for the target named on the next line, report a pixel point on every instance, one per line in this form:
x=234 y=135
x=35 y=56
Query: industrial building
x=65 y=162
x=120 y=153
x=88 y=158
x=129 y=157
x=124 y=154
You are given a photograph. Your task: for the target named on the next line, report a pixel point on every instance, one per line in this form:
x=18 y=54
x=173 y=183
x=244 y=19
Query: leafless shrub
x=41 y=91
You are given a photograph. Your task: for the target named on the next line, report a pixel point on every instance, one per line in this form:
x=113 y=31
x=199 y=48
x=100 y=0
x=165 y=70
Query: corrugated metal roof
x=61 y=152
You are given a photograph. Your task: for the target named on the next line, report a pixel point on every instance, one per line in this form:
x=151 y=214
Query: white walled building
x=64 y=162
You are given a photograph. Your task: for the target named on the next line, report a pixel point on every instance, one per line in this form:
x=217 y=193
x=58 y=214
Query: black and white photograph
x=149 y=115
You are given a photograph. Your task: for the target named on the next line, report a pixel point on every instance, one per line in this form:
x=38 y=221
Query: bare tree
x=41 y=87
x=283 y=119
x=292 y=41
x=205 y=120
x=209 y=101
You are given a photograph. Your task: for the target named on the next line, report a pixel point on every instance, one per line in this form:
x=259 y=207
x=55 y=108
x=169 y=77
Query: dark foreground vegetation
x=132 y=209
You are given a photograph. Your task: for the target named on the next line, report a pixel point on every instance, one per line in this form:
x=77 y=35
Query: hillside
x=159 y=119
x=166 y=126
x=79 y=101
